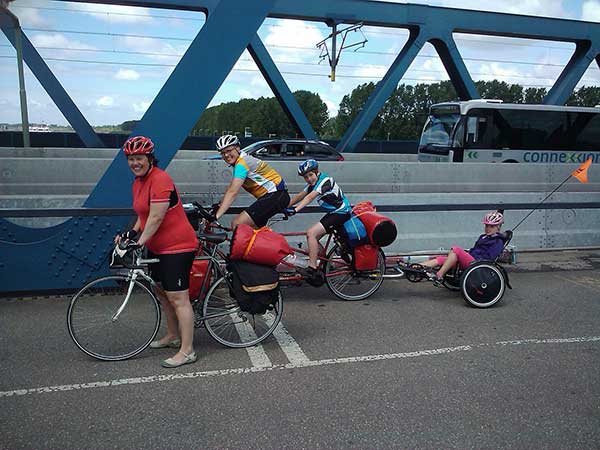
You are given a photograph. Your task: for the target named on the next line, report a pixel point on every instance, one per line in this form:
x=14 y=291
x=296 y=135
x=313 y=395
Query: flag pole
x=576 y=173
x=539 y=204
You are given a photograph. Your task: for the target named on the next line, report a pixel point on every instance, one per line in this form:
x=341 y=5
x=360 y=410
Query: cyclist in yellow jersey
x=255 y=176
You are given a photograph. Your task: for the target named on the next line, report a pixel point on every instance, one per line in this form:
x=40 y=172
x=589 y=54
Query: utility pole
x=22 y=92
x=333 y=56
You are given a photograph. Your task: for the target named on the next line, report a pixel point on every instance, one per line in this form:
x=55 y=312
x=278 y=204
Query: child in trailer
x=488 y=246
x=322 y=187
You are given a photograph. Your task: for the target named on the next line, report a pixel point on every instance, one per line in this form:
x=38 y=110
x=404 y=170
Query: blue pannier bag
x=355 y=232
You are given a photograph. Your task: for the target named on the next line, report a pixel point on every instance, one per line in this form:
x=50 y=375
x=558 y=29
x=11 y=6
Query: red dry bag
x=262 y=246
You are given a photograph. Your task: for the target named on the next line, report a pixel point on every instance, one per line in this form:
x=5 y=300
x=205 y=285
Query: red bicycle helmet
x=138 y=145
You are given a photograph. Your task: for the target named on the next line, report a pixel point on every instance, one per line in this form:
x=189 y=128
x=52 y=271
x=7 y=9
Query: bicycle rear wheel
x=349 y=284
x=97 y=333
x=232 y=327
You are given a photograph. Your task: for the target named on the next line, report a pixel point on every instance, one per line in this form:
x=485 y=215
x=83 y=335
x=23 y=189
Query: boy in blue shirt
x=330 y=197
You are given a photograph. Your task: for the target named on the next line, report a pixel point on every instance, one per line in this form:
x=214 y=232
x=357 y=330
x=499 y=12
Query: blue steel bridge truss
x=66 y=255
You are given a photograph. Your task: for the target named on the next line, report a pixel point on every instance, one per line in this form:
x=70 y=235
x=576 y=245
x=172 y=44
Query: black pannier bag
x=254 y=286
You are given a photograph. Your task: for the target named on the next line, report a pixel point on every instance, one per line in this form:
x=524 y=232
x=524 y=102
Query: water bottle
x=296 y=260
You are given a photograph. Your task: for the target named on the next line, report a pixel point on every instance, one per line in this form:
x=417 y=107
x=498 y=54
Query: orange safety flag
x=581 y=172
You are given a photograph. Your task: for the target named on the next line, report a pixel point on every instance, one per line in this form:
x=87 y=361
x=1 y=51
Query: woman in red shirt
x=163 y=228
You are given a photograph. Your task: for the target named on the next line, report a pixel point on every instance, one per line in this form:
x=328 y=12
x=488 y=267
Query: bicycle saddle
x=214 y=238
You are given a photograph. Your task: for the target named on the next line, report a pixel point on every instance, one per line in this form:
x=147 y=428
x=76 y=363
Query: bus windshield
x=437 y=132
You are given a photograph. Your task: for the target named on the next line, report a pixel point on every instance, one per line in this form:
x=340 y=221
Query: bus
x=493 y=131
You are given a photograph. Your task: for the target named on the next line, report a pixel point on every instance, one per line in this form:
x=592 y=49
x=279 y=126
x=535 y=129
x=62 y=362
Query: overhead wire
x=370 y=30
x=303 y=63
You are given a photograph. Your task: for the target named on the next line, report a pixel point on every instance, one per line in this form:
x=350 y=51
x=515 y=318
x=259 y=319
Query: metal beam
x=52 y=86
x=455 y=67
x=188 y=91
x=286 y=98
x=382 y=91
x=571 y=74
x=379 y=13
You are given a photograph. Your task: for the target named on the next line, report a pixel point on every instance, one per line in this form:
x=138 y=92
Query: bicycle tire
x=482 y=285
x=232 y=327
x=352 y=285
x=91 y=325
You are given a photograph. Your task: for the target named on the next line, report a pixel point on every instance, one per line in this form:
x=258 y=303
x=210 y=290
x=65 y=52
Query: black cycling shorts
x=173 y=270
x=267 y=206
x=334 y=220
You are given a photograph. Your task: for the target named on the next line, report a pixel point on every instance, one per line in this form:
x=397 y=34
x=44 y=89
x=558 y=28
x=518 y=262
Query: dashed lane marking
x=296 y=365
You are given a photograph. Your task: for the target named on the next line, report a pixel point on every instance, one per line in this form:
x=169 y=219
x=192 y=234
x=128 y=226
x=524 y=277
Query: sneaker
x=433 y=276
x=314 y=277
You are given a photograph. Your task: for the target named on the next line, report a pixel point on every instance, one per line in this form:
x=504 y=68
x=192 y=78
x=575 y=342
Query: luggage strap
x=253 y=238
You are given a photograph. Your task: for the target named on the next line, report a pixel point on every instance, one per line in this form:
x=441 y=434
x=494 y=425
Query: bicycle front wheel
x=347 y=283
x=232 y=327
x=100 y=332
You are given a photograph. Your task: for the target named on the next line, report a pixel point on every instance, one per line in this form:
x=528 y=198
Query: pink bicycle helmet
x=138 y=145
x=493 y=218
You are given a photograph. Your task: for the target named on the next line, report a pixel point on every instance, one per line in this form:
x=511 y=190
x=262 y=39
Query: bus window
x=436 y=137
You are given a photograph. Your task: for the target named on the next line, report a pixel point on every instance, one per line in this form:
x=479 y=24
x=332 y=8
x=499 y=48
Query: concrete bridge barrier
x=62 y=178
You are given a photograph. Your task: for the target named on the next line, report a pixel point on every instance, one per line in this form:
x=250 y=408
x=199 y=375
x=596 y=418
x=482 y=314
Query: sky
x=113 y=60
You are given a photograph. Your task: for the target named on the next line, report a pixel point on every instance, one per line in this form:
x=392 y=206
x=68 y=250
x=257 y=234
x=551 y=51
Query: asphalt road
x=411 y=367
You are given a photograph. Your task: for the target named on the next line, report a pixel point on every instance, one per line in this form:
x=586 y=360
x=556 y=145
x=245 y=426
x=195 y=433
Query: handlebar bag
x=254 y=286
x=262 y=246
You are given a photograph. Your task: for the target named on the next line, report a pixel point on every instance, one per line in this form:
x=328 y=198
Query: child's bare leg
x=313 y=234
x=450 y=262
x=430 y=263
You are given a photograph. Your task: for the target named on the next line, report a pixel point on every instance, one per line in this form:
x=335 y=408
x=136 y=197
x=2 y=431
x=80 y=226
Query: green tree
x=128 y=125
x=585 y=96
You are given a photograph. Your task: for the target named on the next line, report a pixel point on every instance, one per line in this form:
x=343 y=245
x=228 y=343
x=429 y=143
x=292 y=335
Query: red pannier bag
x=198 y=274
x=380 y=229
x=262 y=246
x=365 y=257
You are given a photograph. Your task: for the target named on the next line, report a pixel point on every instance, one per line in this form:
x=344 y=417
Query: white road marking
x=288 y=344
x=307 y=363
x=257 y=354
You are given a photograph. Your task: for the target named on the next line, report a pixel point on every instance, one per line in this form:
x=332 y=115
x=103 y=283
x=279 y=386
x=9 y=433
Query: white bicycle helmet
x=226 y=141
x=493 y=218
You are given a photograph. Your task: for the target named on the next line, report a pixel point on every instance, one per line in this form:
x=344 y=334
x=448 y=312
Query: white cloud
x=545 y=8
x=127 y=74
x=244 y=93
x=371 y=71
x=157 y=49
x=293 y=33
x=115 y=13
x=332 y=107
x=58 y=40
x=590 y=10
x=105 y=101
x=29 y=17
x=141 y=107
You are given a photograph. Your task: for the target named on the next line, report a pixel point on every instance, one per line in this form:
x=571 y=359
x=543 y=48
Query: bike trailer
x=365 y=257
x=262 y=246
x=254 y=286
